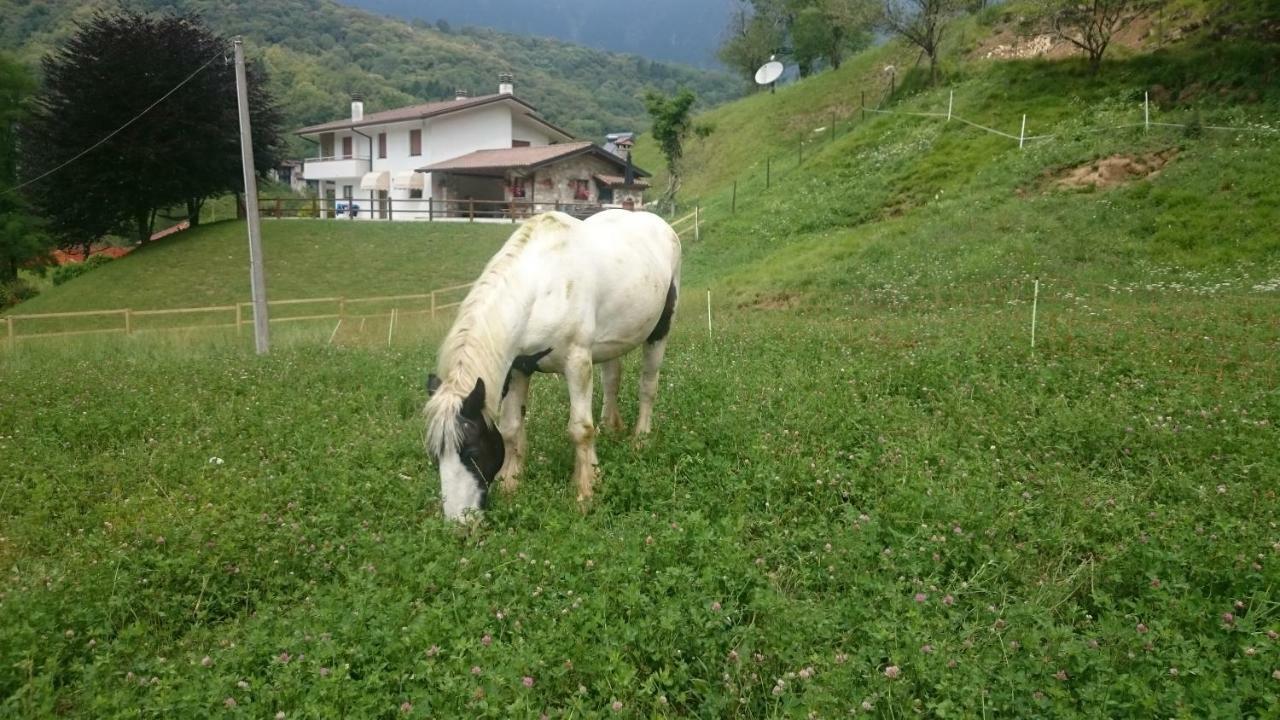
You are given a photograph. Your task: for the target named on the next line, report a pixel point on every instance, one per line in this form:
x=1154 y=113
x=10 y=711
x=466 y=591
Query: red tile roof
x=428 y=110
x=482 y=161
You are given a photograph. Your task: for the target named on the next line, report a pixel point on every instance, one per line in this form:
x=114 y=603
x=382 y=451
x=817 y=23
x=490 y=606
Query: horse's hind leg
x=653 y=352
x=578 y=373
x=511 y=425
x=611 y=374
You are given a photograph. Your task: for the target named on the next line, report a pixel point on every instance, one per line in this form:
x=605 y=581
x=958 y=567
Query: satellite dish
x=769 y=72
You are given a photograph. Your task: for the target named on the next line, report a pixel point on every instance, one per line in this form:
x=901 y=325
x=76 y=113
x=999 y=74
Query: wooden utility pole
x=257 y=279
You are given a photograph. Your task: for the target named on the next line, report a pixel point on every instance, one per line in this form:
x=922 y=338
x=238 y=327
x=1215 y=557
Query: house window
x=415 y=193
x=346 y=147
x=581 y=189
x=382 y=146
x=326 y=145
x=519 y=143
x=517 y=188
x=415 y=142
x=347 y=192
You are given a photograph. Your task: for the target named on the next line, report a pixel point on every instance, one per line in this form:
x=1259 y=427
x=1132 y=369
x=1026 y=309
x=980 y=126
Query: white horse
x=560 y=296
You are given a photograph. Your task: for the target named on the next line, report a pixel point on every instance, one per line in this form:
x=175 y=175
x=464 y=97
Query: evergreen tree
x=22 y=240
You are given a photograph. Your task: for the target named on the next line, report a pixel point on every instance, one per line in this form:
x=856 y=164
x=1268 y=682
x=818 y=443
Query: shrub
x=15 y=291
x=74 y=270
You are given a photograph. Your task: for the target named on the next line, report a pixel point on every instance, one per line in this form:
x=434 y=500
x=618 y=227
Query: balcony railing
x=338 y=166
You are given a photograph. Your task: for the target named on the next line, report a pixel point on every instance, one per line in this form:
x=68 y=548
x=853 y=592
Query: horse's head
x=466 y=446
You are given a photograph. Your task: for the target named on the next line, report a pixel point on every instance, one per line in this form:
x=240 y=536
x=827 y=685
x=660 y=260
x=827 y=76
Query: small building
x=537 y=179
x=487 y=156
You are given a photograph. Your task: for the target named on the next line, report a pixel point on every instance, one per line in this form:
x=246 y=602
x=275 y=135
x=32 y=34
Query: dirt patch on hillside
x=1018 y=40
x=1115 y=170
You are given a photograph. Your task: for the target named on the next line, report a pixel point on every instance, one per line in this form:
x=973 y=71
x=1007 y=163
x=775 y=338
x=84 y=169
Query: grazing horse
x=560 y=296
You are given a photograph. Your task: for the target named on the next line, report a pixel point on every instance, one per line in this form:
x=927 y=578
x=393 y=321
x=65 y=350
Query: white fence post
x=950 y=101
x=1035 y=303
x=1022 y=134
x=708 y=313
x=1146 y=111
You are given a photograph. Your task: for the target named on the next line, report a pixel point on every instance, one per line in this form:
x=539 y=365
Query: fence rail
x=127 y=316
x=420 y=209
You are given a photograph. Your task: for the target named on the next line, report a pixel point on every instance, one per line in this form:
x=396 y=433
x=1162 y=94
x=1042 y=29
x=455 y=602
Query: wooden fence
x=127 y=317
x=423 y=210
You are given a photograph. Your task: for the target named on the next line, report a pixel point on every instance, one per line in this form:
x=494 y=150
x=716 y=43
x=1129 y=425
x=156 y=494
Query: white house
x=492 y=155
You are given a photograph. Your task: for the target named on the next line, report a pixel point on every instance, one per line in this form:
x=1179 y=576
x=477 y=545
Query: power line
x=115 y=132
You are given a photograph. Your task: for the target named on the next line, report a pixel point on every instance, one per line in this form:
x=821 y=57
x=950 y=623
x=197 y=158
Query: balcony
x=335 y=168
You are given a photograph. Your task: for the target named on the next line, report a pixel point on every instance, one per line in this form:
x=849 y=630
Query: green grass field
x=866 y=494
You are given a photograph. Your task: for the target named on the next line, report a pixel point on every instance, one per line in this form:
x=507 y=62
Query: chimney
x=461 y=94
x=506 y=84
x=357 y=108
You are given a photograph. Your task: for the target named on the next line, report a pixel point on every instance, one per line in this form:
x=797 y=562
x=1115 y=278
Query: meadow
x=867 y=494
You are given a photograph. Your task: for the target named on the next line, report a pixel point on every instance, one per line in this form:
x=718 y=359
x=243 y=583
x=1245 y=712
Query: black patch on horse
x=664 y=321
x=482 y=451
x=527 y=364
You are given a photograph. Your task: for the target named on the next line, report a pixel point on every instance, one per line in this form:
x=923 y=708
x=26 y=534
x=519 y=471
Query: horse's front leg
x=511 y=425
x=578 y=375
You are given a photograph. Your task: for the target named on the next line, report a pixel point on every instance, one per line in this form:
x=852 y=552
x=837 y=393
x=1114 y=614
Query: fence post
x=279 y=208
x=833 y=126
x=239 y=317
x=1022 y=134
x=733 y=205
x=128 y=321
x=800 y=145
x=392 y=327
x=951 y=99
x=471 y=209
x=862 y=103
x=9 y=322
x=433 y=304
x=1035 y=302
x=1146 y=111
x=697 y=222
x=315 y=207
x=342 y=306
x=431 y=209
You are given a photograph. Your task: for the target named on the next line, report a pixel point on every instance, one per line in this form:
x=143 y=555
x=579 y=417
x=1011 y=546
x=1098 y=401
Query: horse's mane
x=476 y=345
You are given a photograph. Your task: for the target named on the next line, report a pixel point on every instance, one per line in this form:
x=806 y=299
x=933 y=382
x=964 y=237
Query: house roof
x=429 y=110
x=524 y=158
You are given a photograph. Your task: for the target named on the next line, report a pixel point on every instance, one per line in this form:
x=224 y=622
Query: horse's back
x=604 y=281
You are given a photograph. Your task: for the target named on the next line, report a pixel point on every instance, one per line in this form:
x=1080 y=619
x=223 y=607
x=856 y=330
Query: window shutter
x=382 y=146
x=415 y=142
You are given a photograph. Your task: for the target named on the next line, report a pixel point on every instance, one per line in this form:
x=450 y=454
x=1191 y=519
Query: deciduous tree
x=922 y=23
x=672 y=121
x=111 y=75
x=1091 y=24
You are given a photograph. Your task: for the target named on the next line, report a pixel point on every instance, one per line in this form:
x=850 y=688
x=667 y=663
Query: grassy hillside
x=319 y=52
x=893 y=195
x=303 y=258
x=867 y=494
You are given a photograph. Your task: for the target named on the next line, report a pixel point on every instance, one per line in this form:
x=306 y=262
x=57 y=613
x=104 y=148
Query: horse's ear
x=474 y=403
x=433 y=384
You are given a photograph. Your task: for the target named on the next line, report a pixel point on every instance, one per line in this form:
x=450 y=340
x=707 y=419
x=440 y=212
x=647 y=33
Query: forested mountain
x=319 y=52
x=681 y=30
